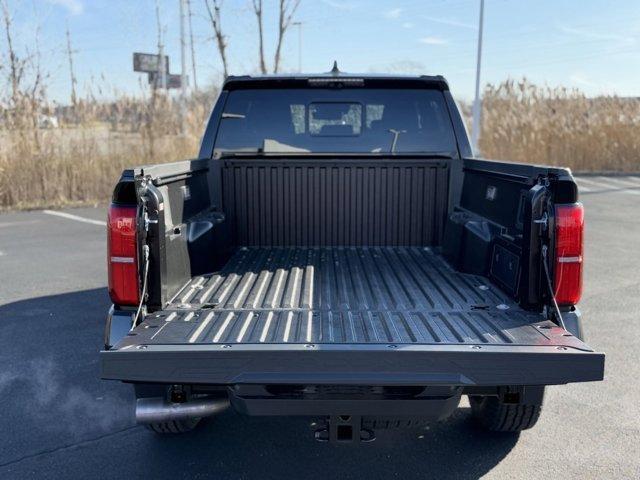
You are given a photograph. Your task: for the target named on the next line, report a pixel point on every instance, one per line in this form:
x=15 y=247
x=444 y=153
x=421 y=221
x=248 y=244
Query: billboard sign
x=173 y=81
x=148 y=62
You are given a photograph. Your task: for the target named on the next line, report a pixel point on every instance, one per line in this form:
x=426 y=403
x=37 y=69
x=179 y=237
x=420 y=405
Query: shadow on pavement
x=54 y=398
x=262 y=447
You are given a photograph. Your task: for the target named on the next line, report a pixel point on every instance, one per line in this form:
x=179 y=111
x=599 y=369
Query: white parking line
x=582 y=188
x=625 y=181
x=588 y=180
x=75 y=217
x=618 y=184
x=633 y=180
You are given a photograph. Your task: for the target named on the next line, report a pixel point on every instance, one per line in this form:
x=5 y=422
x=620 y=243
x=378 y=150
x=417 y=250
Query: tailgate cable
x=549 y=284
x=145 y=254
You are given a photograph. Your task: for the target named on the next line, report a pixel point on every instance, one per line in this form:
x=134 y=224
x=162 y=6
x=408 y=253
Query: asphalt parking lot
x=59 y=420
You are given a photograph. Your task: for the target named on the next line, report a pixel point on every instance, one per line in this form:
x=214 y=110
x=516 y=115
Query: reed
x=79 y=160
x=528 y=123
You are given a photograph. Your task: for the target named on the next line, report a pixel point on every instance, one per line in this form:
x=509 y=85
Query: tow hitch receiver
x=344 y=429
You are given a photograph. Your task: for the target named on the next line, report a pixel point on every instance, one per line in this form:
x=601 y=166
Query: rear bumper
x=353 y=364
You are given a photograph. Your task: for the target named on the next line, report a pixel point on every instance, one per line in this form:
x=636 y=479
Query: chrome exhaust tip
x=158 y=409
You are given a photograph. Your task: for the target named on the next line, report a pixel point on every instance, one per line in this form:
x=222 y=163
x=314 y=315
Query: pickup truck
x=336 y=251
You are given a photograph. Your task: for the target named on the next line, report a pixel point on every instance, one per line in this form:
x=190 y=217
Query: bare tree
x=287 y=10
x=193 y=50
x=14 y=63
x=35 y=95
x=257 y=8
x=214 y=16
x=27 y=82
x=70 y=52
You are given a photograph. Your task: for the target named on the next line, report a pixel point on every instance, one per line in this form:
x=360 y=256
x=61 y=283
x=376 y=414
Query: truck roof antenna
x=334 y=71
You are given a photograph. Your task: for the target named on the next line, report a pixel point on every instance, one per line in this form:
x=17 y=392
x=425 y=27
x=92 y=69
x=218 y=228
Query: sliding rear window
x=335 y=121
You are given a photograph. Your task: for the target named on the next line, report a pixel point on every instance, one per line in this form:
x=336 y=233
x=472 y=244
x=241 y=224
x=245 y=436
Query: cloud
x=404 y=66
x=407 y=25
x=340 y=5
x=451 y=22
x=394 y=13
x=582 y=80
x=595 y=35
x=74 y=7
x=433 y=41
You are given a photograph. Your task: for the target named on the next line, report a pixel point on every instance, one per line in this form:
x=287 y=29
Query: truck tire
x=496 y=416
x=174 y=426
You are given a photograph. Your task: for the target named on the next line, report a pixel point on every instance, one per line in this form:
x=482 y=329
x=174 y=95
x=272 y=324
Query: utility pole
x=299 y=25
x=74 y=98
x=163 y=67
x=193 y=50
x=183 y=71
x=477 y=107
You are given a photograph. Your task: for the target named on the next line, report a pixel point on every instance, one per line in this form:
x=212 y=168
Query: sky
x=593 y=45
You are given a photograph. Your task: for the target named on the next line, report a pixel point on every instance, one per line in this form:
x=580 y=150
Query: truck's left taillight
x=122 y=255
x=569 y=246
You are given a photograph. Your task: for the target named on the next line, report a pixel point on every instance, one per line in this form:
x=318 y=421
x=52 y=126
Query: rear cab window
x=350 y=120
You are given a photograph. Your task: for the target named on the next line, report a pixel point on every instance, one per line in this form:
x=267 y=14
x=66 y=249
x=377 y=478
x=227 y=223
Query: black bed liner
x=340 y=295
x=260 y=317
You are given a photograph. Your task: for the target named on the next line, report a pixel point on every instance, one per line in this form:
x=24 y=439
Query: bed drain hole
x=479 y=307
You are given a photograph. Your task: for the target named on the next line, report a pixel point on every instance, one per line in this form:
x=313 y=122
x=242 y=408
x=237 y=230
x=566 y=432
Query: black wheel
x=496 y=416
x=174 y=426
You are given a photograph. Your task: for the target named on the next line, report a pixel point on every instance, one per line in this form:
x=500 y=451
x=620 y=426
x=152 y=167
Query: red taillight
x=568 y=264
x=122 y=255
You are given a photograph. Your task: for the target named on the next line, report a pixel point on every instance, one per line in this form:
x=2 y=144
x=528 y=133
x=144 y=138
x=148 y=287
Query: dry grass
x=80 y=161
x=556 y=126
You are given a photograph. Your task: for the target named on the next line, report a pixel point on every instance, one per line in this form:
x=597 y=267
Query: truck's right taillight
x=122 y=255
x=568 y=258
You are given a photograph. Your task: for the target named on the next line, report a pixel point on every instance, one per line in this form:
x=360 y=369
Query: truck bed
x=341 y=295
x=387 y=315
